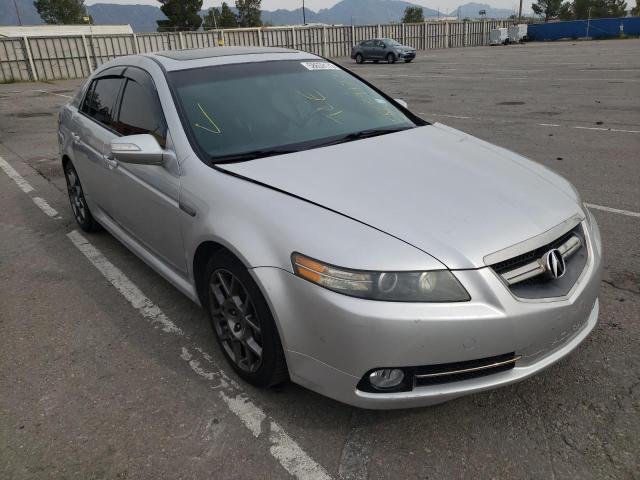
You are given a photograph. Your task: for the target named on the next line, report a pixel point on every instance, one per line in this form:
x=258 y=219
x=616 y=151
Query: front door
x=145 y=197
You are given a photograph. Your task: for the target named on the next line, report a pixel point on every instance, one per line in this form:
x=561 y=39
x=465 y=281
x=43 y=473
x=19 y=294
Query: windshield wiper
x=252 y=155
x=374 y=132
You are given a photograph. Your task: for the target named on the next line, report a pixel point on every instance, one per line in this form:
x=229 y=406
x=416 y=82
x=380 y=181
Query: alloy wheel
x=76 y=195
x=235 y=320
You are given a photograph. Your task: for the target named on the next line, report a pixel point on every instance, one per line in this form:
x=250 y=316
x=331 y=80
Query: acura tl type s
x=335 y=238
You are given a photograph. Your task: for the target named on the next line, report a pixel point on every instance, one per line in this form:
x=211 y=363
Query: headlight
x=431 y=286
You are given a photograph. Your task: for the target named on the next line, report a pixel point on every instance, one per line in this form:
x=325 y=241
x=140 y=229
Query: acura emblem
x=555 y=263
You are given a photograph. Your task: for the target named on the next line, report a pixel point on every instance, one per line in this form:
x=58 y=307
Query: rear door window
x=100 y=101
x=140 y=109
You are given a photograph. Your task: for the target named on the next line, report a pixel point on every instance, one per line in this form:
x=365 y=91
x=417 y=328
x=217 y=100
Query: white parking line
x=448 y=116
x=53 y=93
x=607 y=129
x=555 y=125
x=125 y=286
x=45 y=207
x=628 y=213
x=15 y=176
x=282 y=447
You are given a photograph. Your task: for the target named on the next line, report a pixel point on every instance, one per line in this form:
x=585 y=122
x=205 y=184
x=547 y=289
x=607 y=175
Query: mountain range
x=142 y=18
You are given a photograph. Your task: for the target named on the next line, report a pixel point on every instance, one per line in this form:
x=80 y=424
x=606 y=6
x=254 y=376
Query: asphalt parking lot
x=106 y=371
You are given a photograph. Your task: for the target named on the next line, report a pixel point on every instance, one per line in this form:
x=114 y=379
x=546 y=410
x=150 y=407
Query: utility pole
x=304 y=14
x=17 y=12
x=520 y=13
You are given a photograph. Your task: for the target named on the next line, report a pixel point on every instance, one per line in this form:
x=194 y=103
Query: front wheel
x=391 y=58
x=243 y=323
x=79 y=206
x=359 y=58
x=408 y=60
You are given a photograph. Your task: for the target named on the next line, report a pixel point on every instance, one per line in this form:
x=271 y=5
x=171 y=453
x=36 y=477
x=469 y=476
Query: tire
x=359 y=58
x=243 y=323
x=79 y=206
x=409 y=60
x=376 y=61
x=391 y=58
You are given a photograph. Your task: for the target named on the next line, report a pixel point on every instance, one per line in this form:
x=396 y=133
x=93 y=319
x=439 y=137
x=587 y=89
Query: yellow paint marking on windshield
x=215 y=128
x=310 y=96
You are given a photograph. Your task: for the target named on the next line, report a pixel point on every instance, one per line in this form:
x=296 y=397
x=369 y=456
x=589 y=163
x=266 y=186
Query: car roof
x=198 y=53
x=202 y=57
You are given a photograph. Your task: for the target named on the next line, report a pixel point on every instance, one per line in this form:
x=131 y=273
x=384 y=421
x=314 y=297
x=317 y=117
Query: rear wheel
x=79 y=205
x=391 y=58
x=359 y=58
x=376 y=61
x=243 y=323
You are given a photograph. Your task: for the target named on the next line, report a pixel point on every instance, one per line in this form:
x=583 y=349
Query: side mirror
x=401 y=102
x=138 y=149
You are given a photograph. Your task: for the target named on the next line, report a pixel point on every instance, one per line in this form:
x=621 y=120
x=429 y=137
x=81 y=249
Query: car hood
x=447 y=193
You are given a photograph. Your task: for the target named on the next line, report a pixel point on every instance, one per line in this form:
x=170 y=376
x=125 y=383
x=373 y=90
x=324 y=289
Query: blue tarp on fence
x=597 y=28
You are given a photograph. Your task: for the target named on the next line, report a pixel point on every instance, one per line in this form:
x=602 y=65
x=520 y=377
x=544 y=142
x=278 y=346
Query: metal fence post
x=324 y=40
x=378 y=34
x=293 y=37
x=259 y=32
x=446 y=35
x=181 y=40
x=32 y=65
x=424 y=36
x=86 y=52
x=404 y=34
x=135 y=43
x=353 y=36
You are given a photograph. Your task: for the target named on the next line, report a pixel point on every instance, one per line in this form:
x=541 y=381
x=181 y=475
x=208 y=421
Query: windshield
x=392 y=43
x=250 y=110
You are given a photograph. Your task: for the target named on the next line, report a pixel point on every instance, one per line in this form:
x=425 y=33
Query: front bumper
x=407 y=56
x=332 y=340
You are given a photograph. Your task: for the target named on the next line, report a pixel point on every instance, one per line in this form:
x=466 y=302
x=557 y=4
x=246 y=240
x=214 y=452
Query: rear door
x=367 y=49
x=92 y=132
x=145 y=197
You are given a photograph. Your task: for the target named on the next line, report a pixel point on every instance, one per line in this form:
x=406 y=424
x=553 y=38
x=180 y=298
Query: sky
x=443 y=5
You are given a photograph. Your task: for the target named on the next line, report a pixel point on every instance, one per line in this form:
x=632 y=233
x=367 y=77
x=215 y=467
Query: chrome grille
x=526 y=275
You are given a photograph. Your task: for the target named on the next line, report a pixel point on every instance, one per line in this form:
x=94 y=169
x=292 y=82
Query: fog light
x=386 y=378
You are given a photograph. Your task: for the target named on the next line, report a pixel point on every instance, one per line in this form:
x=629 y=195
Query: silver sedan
x=335 y=238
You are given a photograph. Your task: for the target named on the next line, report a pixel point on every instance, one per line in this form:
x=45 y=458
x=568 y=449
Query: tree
x=566 y=11
x=221 y=18
x=548 y=8
x=181 y=15
x=248 y=13
x=413 y=15
x=62 y=11
x=635 y=11
x=583 y=9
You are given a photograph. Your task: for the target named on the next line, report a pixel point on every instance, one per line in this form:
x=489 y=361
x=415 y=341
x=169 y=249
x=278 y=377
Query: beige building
x=61 y=30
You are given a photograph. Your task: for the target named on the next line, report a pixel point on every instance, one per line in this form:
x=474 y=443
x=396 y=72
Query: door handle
x=111 y=162
x=75 y=137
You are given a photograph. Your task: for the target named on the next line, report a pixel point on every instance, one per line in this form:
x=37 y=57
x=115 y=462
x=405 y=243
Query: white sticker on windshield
x=319 y=66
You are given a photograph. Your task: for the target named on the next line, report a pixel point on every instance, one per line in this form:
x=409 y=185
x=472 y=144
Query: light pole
x=17 y=12
x=304 y=14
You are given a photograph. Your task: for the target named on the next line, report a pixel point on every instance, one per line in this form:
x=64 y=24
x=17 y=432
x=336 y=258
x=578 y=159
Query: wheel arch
x=202 y=255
